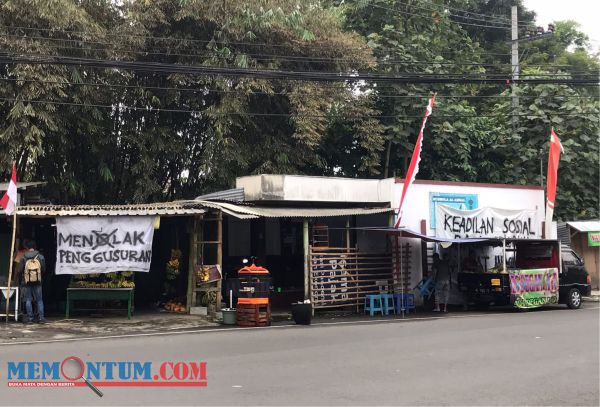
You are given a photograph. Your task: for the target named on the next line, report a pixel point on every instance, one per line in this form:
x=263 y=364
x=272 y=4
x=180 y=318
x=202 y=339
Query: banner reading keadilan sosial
x=103 y=244
x=487 y=222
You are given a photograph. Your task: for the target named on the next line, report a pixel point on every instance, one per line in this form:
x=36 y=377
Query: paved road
x=509 y=358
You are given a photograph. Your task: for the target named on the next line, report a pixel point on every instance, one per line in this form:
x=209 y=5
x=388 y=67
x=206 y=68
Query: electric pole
x=515 y=65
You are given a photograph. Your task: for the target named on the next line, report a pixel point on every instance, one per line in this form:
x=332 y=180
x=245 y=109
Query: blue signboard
x=457 y=201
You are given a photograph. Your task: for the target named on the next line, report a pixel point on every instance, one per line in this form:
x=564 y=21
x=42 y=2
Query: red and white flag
x=9 y=200
x=553 y=157
x=413 y=168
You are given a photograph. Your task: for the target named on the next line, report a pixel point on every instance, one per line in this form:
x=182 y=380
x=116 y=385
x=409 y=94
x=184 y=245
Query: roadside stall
x=107 y=249
x=104 y=258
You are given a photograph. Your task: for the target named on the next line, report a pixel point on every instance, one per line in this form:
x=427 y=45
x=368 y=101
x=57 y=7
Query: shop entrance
x=166 y=282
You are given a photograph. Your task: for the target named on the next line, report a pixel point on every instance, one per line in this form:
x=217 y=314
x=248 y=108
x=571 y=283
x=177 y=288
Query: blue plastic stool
x=373 y=304
x=405 y=302
x=388 y=303
x=426 y=287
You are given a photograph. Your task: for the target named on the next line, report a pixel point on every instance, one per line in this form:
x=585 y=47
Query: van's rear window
x=535 y=252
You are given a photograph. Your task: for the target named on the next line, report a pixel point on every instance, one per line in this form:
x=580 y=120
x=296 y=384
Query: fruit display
x=109 y=280
x=207 y=273
x=174 y=264
x=202 y=274
x=173 y=306
x=172 y=271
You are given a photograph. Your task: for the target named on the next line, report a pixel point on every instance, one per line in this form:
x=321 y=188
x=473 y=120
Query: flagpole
x=10 y=267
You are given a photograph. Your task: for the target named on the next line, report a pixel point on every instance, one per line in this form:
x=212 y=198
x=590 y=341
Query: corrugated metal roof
x=234 y=195
x=562 y=231
x=162 y=208
x=192 y=207
x=586 y=225
x=20 y=185
x=252 y=212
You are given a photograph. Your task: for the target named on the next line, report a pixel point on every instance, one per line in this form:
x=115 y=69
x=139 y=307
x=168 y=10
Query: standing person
x=441 y=270
x=29 y=273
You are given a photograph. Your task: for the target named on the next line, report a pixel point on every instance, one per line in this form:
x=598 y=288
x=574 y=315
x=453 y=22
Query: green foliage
x=94 y=143
x=96 y=154
x=470 y=137
x=576 y=122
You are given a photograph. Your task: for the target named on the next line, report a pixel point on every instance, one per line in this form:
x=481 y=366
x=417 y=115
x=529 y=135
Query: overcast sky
x=585 y=12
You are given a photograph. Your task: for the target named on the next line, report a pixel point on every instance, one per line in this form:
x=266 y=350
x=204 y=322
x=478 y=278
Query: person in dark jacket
x=31 y=291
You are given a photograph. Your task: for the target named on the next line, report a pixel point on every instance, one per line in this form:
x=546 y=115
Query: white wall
x=417 y=206
x=315 y=189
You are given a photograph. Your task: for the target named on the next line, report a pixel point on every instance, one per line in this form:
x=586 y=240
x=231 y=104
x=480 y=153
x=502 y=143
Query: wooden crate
x=253 y=314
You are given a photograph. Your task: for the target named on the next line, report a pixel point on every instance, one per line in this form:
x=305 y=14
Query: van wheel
x=574 y=298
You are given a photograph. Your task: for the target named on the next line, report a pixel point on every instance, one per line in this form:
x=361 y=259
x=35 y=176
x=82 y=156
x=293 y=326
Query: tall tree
x=109 y=135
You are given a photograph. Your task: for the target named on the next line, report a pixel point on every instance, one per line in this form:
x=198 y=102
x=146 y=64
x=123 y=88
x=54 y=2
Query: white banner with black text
x=486 y=222
x=103 y=244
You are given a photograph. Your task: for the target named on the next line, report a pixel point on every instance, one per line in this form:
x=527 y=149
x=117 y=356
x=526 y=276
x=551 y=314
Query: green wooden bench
x=122 y=294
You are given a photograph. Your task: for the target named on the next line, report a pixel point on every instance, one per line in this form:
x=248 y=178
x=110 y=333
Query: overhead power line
x=256 y=56
x=284 y=75
x=206 y=90
x=406 y=13
x=148 y=109
x=499 y=22
x=450 y=11
x=277 y=57
x=304 y=44
x=487 y=16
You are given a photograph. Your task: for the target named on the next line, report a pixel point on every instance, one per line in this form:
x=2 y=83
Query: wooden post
x=348 y=233
x=192 y=263
x=504 y=255
x=398 y=249
x=219 y=258
x=543 y=229
x=424 y=263
x=306 y=258
x=11 y=262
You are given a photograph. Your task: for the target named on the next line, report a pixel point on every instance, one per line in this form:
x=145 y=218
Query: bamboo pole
x=11 y=261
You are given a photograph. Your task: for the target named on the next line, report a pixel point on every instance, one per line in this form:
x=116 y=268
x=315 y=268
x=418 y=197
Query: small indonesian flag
x=413 y=167
x=9 y=200
x=553 y=158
